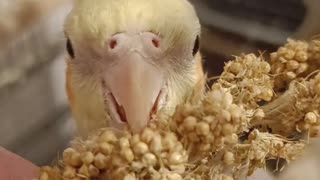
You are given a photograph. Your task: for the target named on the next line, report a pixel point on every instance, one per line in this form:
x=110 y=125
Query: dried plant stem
x=200 y=141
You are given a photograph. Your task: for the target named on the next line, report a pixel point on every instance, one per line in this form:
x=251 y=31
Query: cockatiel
x=129 y=59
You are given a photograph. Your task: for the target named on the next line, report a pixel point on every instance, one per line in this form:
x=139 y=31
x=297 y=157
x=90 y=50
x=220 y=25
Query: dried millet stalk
x=148 y=155
x=248 y=79
x=248 y=156
x=263 y=146
x=160 y=152
x=295 y=59
x=297 y=110
x=314 y=50
x=201 y=140
x=211 y=125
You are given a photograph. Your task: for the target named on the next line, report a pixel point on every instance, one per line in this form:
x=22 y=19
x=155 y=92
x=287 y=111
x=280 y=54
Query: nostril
x=155 y=43
x=113 y=44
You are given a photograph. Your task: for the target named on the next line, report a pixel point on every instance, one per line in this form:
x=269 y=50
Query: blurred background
x=35 y=119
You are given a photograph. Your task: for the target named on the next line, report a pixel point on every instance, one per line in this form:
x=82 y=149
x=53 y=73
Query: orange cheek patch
x=68 y=85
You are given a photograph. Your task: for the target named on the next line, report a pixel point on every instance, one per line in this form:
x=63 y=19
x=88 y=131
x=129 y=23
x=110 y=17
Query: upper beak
x=133 y=91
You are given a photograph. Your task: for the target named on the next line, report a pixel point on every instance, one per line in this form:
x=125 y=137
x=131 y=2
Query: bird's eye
x=196 y=46
x=70 y=48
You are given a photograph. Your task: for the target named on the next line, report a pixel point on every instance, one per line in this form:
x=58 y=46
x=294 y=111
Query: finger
x=14 y=167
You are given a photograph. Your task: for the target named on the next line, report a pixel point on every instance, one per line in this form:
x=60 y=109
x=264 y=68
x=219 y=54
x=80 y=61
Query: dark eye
x=196 y=46
x=70 y=48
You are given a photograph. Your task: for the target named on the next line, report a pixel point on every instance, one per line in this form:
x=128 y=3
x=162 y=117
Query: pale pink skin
x=13 y=167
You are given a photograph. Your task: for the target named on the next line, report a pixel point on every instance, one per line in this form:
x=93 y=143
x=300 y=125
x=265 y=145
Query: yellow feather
x=93 y=22
x=97 y=20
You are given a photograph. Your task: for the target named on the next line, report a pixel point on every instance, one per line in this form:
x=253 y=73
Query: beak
x=134 y=90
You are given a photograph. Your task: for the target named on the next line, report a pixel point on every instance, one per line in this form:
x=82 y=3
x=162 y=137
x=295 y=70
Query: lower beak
x=134 y=91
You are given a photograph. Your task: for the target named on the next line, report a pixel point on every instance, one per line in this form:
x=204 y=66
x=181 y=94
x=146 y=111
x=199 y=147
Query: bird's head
x=131 y=58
